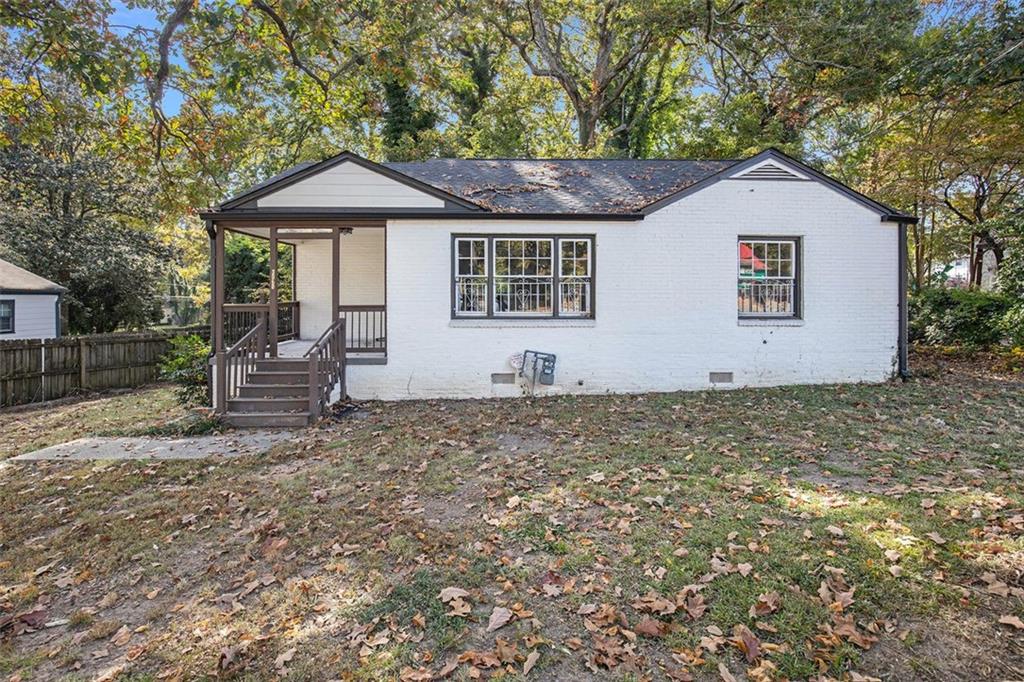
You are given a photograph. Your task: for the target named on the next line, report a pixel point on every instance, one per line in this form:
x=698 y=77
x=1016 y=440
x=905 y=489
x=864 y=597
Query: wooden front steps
x=276 y=394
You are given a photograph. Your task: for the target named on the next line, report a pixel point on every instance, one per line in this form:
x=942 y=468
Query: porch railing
x=326 y=368
x=241 y=317
x=236 y=363
x=366 y=328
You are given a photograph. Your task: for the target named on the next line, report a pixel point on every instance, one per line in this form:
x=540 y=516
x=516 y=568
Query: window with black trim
x=523 y=276
x=768 y=277
x=7 y=317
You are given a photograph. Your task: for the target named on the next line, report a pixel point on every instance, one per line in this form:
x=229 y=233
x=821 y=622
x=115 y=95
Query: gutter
x=412 y=215
x=899 y=218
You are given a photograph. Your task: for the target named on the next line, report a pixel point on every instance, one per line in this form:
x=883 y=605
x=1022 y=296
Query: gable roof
x=305 y=169
x=887 y=213
x=561 y=187
x=19 y=280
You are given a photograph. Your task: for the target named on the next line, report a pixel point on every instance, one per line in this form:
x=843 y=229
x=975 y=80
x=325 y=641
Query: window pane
x=574 y=287
x=6 y=316
x=767 y=277
x=471 y=277
x=522 y=271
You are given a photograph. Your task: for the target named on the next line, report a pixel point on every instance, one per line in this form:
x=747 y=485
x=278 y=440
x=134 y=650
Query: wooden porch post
x=273 y=292
x=335 y=273
x=220 y=399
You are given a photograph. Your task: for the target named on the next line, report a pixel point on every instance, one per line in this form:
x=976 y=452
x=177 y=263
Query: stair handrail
x=326 y=367
x=233 y=365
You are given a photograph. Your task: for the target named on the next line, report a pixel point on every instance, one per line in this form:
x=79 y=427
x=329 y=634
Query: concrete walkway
x=196 y=447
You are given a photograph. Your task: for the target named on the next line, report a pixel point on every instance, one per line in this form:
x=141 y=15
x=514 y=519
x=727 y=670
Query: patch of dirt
x=853 y=473
x=954 y=648
x=448 y=512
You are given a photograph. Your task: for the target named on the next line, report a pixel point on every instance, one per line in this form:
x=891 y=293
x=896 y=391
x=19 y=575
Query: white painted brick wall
x=362 y=276
x=665 y=295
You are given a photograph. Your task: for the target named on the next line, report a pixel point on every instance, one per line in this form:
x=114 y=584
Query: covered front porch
x=267 y=353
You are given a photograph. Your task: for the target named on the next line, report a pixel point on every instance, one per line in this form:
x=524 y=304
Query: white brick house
x=636 y=275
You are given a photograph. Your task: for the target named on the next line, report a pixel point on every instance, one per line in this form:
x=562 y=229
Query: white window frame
x=485 y=277
x=552 y=242
x=793 y=280
x=587 y=280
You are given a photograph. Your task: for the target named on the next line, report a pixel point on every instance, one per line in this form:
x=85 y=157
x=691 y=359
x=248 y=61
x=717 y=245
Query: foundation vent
x=720 y=377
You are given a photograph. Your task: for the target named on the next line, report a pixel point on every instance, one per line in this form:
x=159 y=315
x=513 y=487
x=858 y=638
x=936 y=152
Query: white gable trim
x=769 y=169
x=348 y=185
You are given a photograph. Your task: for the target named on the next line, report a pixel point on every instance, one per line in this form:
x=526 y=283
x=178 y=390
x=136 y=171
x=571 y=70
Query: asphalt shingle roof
x=13 y=278
x=560 y=185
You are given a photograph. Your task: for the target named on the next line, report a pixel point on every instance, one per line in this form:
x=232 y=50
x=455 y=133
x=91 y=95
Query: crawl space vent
x=720 y=377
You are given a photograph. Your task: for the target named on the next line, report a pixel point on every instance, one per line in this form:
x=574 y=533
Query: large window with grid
x=523 y=276
x=768 y=277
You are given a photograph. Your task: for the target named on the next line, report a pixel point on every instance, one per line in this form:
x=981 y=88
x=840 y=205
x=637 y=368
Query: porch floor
x=296 y=348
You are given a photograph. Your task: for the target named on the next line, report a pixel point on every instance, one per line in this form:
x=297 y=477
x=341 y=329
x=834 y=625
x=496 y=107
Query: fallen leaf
x=500 y=617
x=450 y=593
x=283 y=659
x=765 y=604
x=531 y=660
x=747 y=642
x=1013 y=621
x=936 y=538
x=122 y=636
x=651 y=627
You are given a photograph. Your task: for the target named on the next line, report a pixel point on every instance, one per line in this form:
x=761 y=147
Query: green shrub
x=185 y=364
x=958 y=317
x=1012 y=324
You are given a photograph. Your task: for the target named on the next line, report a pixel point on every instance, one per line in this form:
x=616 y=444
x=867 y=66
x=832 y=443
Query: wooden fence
x=33 y=370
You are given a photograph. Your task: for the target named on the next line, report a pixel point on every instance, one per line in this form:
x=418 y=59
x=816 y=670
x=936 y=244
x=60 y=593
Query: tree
x=593 y=50
x=74 y=207
x=247 y=270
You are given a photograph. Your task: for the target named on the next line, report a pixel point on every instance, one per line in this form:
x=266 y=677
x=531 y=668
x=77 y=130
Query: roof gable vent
x=768 y=170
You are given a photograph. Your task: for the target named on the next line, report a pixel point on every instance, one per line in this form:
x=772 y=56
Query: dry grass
x=325 y=558
x=30 y=427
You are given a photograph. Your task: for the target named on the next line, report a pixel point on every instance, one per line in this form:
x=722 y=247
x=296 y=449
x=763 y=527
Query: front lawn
x=799 y=532
x=30 y=427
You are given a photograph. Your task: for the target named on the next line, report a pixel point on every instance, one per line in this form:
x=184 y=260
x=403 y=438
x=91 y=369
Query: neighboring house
x=637 y=275
x=29 y=304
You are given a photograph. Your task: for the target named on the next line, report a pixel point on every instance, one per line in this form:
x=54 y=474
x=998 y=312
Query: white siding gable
x=348 y=185
x=35 y=316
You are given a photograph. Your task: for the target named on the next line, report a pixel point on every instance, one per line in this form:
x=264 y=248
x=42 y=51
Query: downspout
x=57 y=321
x=904 y=361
